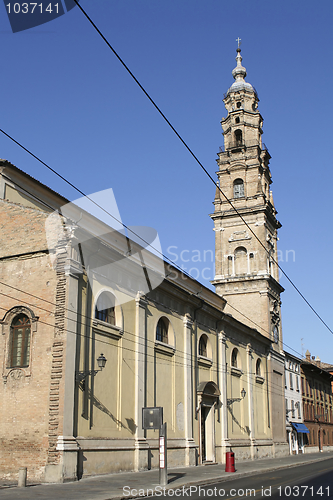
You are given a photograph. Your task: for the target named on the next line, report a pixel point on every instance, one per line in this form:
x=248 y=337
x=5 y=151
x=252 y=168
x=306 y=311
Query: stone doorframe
x=208 y=398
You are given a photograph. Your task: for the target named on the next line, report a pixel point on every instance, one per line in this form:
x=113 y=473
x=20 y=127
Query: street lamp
x=233 y=400
x=101 y=361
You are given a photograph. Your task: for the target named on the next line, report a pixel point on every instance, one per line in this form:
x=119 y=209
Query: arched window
x=238 y=188
x=234 y=358
x=240 y=261
x=105 y=308
x=162 y=330
x=20 y=341
x=258 y=367
x=238 y=137
x=203 y=346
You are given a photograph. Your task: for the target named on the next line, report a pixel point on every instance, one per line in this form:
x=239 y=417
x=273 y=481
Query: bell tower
x=245 y=272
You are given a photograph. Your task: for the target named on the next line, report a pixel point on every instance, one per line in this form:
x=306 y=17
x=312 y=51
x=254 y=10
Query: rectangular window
x=297 y=383
x=302 y=382
x=292 y=409
x=20 y=342
x=291 y=381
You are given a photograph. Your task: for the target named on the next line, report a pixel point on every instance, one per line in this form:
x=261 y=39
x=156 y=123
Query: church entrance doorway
x=208 y=393
x=207 y=433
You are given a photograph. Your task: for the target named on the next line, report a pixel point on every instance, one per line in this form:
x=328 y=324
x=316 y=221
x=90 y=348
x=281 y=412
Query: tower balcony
x=235 y=146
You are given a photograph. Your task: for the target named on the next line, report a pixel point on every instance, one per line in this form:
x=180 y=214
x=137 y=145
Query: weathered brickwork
x=22 y=229
x=54 y=402
x=31 y=396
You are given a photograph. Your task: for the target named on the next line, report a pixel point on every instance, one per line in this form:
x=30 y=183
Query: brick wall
x=30 y=397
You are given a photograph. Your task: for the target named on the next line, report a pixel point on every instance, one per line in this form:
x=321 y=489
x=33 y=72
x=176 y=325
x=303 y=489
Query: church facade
x=87 y=341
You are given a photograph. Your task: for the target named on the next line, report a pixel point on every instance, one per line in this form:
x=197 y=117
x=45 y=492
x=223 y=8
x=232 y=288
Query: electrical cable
x=90 y=318
x=198 y=161
x=187 y=362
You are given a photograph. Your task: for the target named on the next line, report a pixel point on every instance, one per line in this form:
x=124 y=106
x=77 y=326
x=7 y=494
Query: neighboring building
x=246 y=272
x=294 y=408
x=317 y=404
x=78 y=291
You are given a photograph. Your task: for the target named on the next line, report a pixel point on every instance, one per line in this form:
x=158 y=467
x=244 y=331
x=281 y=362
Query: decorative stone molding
x=67 y=443
x=162 y=348
x=106 y=329
x=205 y=362
x=239 y=236
x=141 y=300
x=17 y=373
x=237 y=372
x=259 y=379
x=188 y=321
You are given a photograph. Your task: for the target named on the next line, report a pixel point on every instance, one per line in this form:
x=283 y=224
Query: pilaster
x=68 y=269
x=250 y=385
x=188 y=407
x=141 y=446
x=222 y=374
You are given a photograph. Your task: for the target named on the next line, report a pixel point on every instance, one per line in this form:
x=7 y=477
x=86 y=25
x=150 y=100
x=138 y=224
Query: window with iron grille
x=20 y=341
x=238 y=188
x=203 y=346
x=105 y=308
x=234 y=358
x=162 y=330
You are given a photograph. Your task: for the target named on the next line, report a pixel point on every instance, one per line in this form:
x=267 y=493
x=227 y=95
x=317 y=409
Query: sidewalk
x=110 y=486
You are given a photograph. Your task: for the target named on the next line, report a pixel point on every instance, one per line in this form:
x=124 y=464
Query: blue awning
x=300 y=428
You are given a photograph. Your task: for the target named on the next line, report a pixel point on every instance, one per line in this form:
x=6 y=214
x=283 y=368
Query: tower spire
x=239 y=73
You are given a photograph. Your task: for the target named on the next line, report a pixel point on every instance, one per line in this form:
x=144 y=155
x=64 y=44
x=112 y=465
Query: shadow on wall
x=131 y=426
x=244 y=429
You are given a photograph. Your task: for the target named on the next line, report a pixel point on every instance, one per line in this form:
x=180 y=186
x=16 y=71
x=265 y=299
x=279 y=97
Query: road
x=310 y=480
x=313 y=481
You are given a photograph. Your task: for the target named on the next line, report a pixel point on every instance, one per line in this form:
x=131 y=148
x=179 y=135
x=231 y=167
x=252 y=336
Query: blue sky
x=65 y=96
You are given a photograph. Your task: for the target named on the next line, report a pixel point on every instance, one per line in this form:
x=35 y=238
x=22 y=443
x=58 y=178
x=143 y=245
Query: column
x=188 y=401
x=222 y=374
x=67 y=445
x=141 y=447
x=250 y=385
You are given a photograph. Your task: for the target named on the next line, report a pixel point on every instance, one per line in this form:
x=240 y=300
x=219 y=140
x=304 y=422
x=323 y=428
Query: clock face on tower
x=276 y=334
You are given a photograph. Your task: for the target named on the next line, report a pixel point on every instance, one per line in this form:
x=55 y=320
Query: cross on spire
x=238 y=40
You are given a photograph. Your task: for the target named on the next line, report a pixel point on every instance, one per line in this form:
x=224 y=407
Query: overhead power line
x=90 y=318
x=198 y=161
x=189 y=358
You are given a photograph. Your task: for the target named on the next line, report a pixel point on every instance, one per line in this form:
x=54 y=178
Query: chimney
x=308 y=355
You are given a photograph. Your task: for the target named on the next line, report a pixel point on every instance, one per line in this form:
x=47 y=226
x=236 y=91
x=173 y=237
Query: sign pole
x=163 y=455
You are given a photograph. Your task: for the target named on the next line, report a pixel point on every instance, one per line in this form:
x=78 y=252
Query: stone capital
x=141 y=300
x=188 y=321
